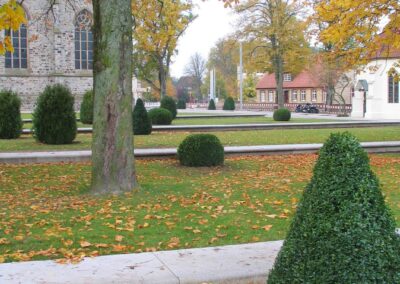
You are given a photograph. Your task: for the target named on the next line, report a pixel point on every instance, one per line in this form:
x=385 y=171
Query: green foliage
x=181 y=104
x=250 y=86
x=169 y=104
x=282 y=114
x=342 y=231
x=229 y=104
x=141 y=120
x=10 y=115
x=54 y=120
x=160 y=116
x=201 y=150
x=86 y=112
x=211 y=105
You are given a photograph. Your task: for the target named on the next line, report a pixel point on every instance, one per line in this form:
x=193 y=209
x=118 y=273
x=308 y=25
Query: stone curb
x=83 y=156
x=258 y=126
x=247 y=263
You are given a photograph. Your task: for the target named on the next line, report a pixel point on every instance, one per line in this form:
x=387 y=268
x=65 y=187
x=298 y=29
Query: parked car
x=307 y=108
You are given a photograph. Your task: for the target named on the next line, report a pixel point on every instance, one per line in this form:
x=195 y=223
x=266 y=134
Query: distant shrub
x=201 y=150
x=160 y=116
x=54 y=120
x=211 y=105
x=169 y=104
x=10 y=115
x=342 y=231
x=141 y=120
x=181 y=104
x=282 y=114
x=229 y=104
x=86 y=112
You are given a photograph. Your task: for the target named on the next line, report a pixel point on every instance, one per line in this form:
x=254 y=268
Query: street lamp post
x=241 y=76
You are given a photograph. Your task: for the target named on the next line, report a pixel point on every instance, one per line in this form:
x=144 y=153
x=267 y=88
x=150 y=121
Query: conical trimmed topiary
x=342 y=231
x=10 y=115
x=181 y=104
x=54 y=120
x=211 y=105
x=86 y=112
x=141 y=120
x=229 y=104
x=169 y=104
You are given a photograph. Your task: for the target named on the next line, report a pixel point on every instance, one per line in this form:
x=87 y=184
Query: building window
x=314 y=95
x=324 y=97
x=83 y=41
x=262 y=96
x=393 y=90
x=271 y=96
x=19 y=58
x=287 y=77
x=303 y=95
x=294 y=95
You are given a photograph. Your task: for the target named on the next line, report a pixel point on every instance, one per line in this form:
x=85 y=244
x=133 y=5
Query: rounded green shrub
x=342 y=231
x=201 y=150
x=86 y=112
x=54 y=120
x=10 y=115
x=211 y=105
x=282 y=114
x=181 y=104
x=169 y=104
x=229 y=104
x=141 y=120
x=160 y=116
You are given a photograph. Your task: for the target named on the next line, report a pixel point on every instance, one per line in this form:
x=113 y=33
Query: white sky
x=213 y=22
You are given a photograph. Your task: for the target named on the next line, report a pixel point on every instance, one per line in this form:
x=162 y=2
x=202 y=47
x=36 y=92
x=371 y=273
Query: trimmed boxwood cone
x=141 y=120
x=169 y=104
x=211 y=105
x=342 y=231
x=86 y=111
x=10 y=115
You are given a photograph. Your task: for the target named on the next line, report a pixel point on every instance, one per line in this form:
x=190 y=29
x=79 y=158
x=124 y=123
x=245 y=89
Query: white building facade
x=377 y=93
x=54 y=47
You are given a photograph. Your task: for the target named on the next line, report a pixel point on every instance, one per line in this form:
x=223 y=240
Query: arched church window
x=84 y=41
x=19 y=58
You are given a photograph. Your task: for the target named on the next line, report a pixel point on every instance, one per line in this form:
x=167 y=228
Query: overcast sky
x=213 y=22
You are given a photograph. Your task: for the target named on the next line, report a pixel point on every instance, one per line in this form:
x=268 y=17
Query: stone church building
x=54 y=47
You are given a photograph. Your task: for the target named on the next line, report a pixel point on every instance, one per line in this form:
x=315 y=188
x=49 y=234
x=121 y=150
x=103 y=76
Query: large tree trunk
x=162 y=77
x=113 y=162
x=278 y=66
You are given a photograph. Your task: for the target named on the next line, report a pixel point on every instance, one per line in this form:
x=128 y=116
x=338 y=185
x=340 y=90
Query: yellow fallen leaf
x=119 y=238
x=267 y=227
x=85 y=244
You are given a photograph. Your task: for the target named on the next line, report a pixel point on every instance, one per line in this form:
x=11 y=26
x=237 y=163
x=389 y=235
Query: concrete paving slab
x=143 y=268
x=248 y=263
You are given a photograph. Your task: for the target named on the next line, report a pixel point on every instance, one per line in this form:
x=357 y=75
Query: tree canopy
x=12 y=15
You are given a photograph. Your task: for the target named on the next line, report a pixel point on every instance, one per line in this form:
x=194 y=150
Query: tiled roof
x=303 y=80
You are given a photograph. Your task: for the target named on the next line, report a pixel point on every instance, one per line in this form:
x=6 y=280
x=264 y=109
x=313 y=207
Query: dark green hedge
x=86 y=112
x=160 y=116
x=181 y=104
x=54 y=120
x=141 y=120
x=282 y=114
x=169 y=104
x=229 y=104
x=201 y=150
x=211 y=105
x=342 y=231
x=10 y=115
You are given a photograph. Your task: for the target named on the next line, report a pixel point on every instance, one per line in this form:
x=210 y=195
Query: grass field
x=228 y=138
x=47 y=213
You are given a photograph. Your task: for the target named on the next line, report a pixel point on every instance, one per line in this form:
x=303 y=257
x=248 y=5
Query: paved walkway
x=248 y=263
x=83 y=156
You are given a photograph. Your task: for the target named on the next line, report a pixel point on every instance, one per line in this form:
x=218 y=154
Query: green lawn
x=46 y=211
x=228 y=138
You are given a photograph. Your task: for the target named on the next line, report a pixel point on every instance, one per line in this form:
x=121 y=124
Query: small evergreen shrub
x=86 y=112
x=181 y=104
x=141 y=120
x=160 y=116
x=201 y=150
x=282 y=114
x=54 y=120
x=229 y=104
x=342 y=231
x=169 y=104
x=10 y=115
x=211 y=105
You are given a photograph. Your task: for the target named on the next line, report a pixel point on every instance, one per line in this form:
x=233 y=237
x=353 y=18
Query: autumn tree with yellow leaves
x=158 y=25
x=12 y=15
